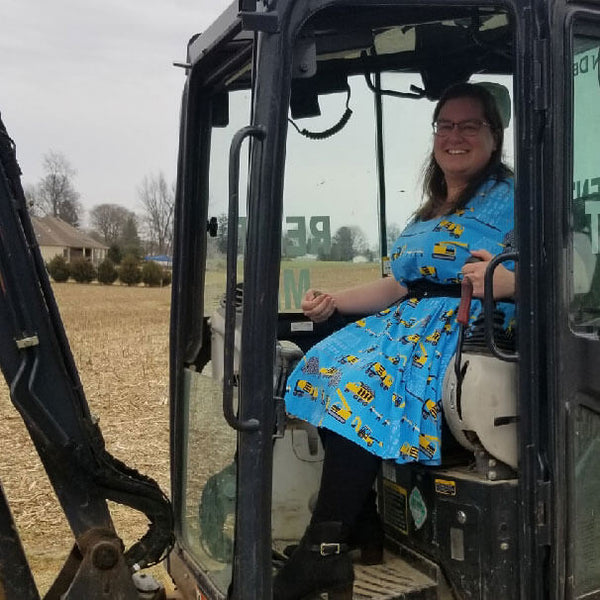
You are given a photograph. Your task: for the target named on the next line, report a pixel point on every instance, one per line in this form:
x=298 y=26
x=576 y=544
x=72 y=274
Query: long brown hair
x=434 y=182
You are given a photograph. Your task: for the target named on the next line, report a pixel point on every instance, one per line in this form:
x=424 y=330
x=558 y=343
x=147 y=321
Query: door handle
x=232 y=244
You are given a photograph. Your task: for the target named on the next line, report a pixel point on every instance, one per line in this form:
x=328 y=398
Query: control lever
x=462 y=318
x=489 y=306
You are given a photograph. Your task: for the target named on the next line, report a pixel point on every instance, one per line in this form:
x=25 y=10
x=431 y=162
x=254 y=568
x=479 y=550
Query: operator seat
x=482 y=414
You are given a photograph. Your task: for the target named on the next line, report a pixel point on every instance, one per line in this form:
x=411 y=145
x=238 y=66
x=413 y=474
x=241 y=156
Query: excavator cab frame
x=512 y=537
x=266 y=208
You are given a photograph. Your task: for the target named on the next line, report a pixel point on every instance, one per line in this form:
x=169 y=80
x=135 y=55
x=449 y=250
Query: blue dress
x=378 y=381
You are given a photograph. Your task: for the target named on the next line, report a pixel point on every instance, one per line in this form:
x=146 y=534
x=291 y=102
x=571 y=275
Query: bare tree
x=109 y=220
x=158 y=201
x=392 y=234
x=54 y=194
x=33 y=206
x=359 y=240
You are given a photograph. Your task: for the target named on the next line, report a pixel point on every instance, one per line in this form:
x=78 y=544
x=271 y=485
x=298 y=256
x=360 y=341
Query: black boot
x=366 y=535
x=320 y=564
x=346 y=494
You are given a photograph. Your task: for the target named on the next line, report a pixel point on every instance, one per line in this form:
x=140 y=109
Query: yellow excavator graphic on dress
x=447 y=250
x=340 y=410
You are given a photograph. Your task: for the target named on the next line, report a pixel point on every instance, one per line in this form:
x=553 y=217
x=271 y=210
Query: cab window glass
x=584 y=276
x=330 y=217
x=408 y=143
x=585 y=208
x=209 y=473
x=346 y=199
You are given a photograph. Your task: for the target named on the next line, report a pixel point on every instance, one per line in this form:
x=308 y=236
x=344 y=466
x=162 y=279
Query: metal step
x=395 y=579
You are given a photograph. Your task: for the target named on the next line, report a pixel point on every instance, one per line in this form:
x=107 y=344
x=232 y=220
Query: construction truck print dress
x=378 y=381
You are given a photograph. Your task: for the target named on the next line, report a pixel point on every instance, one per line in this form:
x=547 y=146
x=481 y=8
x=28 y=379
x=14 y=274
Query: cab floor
x=394 y=579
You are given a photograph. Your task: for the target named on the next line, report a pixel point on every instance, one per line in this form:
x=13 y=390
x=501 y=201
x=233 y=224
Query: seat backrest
x=484 y=413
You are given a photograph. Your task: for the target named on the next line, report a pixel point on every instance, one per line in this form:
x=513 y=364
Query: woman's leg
x=321 y=562
x=349 y=472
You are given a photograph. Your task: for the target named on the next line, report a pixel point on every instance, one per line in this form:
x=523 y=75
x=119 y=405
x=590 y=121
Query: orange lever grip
x=464 y=308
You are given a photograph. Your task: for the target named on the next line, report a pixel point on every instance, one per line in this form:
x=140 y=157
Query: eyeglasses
x=468 y=128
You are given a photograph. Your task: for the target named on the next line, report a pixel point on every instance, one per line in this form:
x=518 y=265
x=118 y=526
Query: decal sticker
x=418 y=510
x=387 y=265
x=445 y=487
x=301 y=326
x=388 y=470
x=396 y=506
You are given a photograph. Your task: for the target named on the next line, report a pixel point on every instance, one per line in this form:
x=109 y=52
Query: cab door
x=573 y=221
x=206 y=477
x=224 y=306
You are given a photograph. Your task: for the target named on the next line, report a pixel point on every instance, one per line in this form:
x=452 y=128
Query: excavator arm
x=45 y=388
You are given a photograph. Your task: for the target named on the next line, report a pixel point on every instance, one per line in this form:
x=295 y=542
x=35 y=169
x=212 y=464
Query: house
x=55 y=237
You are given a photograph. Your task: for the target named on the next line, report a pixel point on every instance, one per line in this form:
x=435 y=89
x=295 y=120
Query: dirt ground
x=119 y=338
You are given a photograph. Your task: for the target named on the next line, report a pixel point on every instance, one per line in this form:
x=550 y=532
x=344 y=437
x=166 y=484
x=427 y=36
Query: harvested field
x=119 y=338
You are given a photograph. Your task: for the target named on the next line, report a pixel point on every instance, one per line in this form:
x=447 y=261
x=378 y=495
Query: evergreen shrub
x=107 y=273
x=152 y=274
x=82 y=270
x=58 y=269
x=129 y=271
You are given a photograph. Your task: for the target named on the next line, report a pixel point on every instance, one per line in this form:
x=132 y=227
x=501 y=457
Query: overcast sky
x=94 y=80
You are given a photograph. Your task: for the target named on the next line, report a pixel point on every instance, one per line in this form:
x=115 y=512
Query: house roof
x=52 y=231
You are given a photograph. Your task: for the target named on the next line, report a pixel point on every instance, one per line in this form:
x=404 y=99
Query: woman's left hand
x=504 y=280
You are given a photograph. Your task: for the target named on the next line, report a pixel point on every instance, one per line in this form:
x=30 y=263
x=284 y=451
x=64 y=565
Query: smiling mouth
x=456 y=151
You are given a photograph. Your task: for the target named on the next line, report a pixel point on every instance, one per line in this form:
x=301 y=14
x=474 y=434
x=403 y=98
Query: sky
x=95 y=81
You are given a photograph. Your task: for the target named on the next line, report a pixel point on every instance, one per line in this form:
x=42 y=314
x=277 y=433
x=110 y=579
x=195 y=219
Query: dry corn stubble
x=119 y=338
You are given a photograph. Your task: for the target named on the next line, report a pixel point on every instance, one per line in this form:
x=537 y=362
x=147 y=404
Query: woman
x=379 y=380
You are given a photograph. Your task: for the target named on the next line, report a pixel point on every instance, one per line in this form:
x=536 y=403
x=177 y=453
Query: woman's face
x=459 y=155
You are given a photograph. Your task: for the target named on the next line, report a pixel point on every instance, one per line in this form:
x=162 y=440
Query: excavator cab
x=304 y=128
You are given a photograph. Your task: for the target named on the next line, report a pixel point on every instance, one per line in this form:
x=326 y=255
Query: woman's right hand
x=317 y=306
